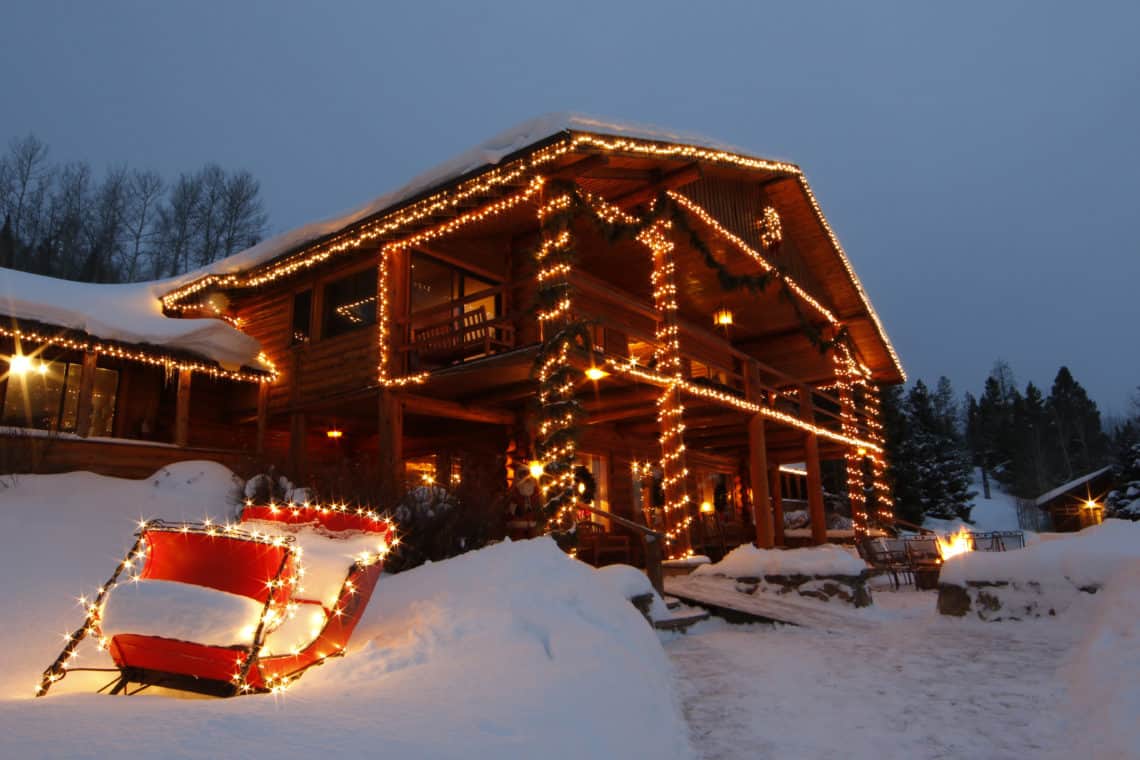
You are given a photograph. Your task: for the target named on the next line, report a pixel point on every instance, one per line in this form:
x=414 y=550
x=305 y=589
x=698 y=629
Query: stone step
x=681 y=620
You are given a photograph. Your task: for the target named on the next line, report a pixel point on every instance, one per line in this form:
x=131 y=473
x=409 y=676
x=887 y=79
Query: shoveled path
x=904 y=682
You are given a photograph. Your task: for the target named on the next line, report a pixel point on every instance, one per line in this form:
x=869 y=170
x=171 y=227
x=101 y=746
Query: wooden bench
x=459 y=337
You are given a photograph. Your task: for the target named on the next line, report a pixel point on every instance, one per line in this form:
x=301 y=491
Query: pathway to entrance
x=903 y=683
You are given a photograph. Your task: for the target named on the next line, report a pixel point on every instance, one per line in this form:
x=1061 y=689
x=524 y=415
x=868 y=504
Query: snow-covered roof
x=487 y=154
x=1066 y=487
x=124 y=313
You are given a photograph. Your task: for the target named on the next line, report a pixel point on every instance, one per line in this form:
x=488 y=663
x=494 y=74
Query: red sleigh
x=258 y=561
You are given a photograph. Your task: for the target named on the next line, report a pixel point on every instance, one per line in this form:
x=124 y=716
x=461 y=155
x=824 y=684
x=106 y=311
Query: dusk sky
x=980 y=162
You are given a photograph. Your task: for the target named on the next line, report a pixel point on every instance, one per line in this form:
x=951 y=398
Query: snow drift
x=512 y=651
x=747 y=561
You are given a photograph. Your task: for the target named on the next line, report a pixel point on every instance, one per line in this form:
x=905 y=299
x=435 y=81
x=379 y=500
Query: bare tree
x=212 y=179
x=144 y=193
x=105 y=228
x=177 y=226
x=244 y=217
x=22 y=171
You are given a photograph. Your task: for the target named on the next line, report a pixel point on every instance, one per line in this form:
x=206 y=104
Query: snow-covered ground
x=916 y=685
x=513 y=651
x=518 y=651
x=999 y=512
x=898 y=680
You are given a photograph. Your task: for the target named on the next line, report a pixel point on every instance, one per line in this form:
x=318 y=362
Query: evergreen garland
x=561 y=412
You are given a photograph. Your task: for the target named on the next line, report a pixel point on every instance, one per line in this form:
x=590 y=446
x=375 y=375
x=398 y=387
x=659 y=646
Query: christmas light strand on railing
x=167 y=362
x=631 y=368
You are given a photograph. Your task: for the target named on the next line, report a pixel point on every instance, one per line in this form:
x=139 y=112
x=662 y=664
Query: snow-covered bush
x=433 y=525
x=1124 y=501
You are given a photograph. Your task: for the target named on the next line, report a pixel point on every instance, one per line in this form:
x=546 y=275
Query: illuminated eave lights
x=446 y=200
x=118 y=352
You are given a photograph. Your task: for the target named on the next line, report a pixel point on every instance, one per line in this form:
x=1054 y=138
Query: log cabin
x=664 y=317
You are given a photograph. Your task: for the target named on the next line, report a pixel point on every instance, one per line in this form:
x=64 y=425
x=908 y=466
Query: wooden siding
x=127 y=459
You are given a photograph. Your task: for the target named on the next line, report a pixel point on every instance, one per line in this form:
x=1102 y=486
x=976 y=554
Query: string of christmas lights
x=670 y=408
x=167 y=362
x=518 y=170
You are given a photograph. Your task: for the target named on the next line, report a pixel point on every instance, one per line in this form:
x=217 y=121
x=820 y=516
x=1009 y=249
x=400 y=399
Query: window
x=435 y=285
x=47 y=398
x=302 y=317
x=350 y=303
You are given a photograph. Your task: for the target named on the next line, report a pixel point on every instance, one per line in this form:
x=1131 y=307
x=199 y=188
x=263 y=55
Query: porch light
x=707 y=507
x=1091 y=504
x=596 y=373
x=723 y=317
x=536 y=469
x=18 y=364
x=335 y=433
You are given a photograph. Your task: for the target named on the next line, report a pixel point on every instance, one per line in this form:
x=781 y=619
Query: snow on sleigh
x=235 y=609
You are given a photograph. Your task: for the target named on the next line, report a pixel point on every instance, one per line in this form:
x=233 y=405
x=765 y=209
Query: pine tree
x=902 y=465
x=930 y=466
x=1124 y=500
x=994 y=437
x=1029 y=468
x=1080 y=441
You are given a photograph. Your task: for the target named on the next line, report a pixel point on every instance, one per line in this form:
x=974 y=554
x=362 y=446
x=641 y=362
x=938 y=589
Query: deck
x=719 y=595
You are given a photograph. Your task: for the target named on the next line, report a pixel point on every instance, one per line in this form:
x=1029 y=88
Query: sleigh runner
x=222 y=610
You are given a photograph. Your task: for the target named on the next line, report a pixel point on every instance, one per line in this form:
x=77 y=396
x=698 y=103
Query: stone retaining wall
x=1008 y=600
x=845 y=589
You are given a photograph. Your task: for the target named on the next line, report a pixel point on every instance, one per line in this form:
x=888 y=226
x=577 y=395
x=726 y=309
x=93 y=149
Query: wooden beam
x=86 y=395
x=588 y=165
x=814 y=476
x=182 y=410
x=437 y=407
x=670 y=181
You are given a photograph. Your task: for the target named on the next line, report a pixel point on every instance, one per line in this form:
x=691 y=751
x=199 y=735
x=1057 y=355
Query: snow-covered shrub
x=1124 y=501
x=433 y=526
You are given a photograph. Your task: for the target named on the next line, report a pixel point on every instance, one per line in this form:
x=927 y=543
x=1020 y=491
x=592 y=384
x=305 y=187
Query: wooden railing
x=452 y=331
x=651 y=541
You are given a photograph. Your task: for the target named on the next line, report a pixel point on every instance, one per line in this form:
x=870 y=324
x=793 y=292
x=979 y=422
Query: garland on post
x=556 y=444
x=562 y=331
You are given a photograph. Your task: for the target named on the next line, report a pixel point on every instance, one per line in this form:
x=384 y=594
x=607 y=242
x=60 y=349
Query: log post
x=390 y=429
x=774 y=484
x=262 y=416
x=814 y=477
x=182 y=410
x=86 y=395
x=653 y=563
x=758 y=464
x=298 y=459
